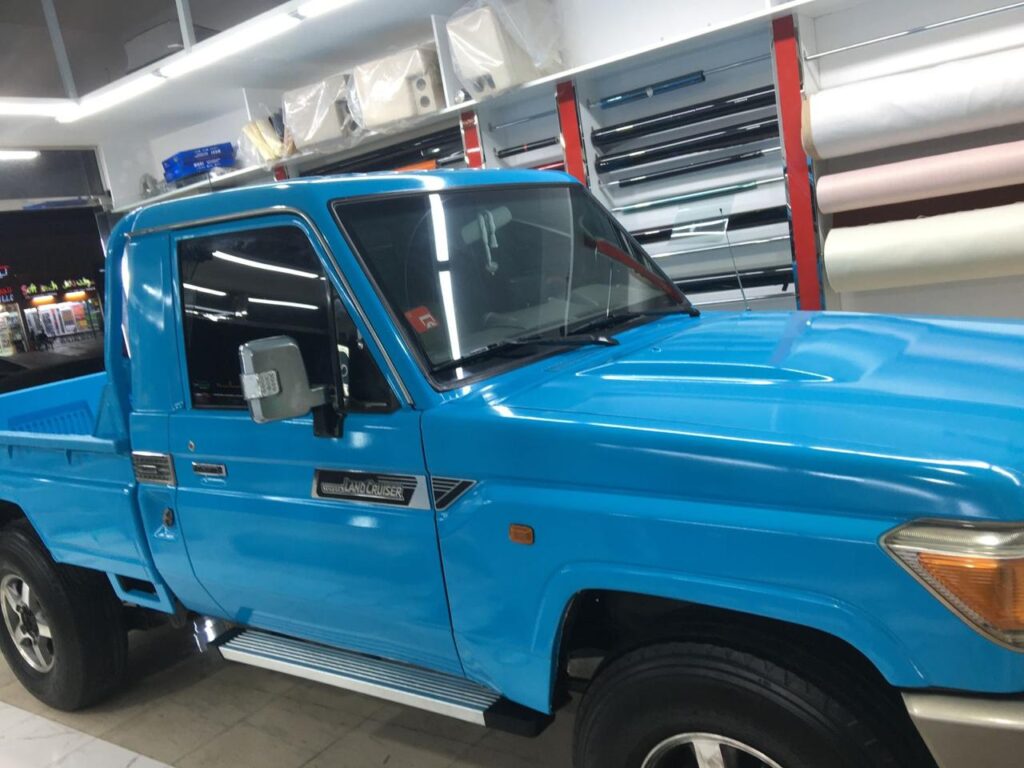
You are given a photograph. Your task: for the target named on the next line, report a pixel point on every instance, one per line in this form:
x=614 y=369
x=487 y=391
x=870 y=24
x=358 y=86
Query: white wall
x=593 y=30
x=223 y=128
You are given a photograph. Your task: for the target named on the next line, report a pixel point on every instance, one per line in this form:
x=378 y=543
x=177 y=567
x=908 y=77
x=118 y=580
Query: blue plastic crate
x=199 y=160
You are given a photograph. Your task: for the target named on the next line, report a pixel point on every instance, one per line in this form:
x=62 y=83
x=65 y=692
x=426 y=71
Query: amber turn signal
x=978 y=571
x=520 y=534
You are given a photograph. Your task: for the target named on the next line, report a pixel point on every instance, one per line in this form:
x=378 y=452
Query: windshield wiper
x=677 y=309
x=502 y=347
x=614 y=318
x=574 y=339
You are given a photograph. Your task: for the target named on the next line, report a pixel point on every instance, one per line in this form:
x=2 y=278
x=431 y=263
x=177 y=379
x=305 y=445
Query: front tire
x=695 y=705
x=61 y=627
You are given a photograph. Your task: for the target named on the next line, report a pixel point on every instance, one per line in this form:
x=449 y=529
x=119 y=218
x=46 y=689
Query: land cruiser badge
x=397 y=490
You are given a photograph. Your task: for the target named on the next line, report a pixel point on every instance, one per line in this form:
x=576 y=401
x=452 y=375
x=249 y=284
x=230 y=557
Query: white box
x=318 y=113
x=486 y=57
x=398 y=87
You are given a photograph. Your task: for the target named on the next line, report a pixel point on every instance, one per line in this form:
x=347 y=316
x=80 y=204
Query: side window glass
x=241 y=286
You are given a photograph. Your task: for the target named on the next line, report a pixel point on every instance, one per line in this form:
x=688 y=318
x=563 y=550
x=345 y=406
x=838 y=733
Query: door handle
x=206 y=469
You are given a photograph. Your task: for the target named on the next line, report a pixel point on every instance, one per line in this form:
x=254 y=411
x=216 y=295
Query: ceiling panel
x=107 y=39
x=218 y=15
x=26 y=57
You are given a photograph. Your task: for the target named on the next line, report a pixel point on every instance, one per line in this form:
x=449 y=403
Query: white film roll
x=968 y=245
x=945 y=100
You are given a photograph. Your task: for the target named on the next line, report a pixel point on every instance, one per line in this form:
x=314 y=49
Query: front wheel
x=62 y=629
x=695 y=705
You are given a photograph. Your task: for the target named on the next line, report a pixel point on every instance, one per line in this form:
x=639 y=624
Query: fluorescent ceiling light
x=320 y=7
x=229 y=43
x=35 y=107
x=204 y=289
x=98 y=101
x=263 y=265
x=276 y=303
x=18 y=154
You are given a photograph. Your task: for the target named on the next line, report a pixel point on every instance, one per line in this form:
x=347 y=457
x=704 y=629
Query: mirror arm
x=328 y=415
x=327 y=421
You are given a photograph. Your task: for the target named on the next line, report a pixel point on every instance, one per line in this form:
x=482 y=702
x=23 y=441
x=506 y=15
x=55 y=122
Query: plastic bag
x=387 y=93
x=261 y=144
x=318 y=115
x=497 y=44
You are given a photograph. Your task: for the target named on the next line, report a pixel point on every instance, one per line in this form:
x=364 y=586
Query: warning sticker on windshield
x=421 y=319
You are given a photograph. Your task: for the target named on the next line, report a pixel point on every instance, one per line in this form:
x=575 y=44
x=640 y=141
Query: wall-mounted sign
x=34 y=289
x=6 y=295
x=5 y=270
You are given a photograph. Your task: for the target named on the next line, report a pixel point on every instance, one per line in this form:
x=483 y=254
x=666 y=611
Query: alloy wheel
x=705 y=750
x=26 y=622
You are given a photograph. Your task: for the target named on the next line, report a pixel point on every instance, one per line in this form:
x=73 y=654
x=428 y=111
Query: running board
x=437 y=692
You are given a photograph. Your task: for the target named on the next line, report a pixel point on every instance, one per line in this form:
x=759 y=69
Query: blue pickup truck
x=454 y=440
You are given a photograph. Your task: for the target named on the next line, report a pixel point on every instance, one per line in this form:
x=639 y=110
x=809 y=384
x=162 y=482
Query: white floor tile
x=102 y=754
x=31 y=741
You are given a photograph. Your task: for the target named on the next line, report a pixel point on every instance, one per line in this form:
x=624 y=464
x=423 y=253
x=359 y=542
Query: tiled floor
x=198 y=711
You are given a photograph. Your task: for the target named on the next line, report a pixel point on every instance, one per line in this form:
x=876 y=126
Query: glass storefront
x=51 y=294
x=71 y=316
x=12 y=331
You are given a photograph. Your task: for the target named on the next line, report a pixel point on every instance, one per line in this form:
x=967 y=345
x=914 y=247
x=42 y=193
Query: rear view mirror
x=274 y=380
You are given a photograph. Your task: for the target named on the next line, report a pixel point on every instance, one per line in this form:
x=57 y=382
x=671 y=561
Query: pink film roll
x=998 y=165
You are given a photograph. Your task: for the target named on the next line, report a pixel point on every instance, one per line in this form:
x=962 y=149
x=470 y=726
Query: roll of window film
x=654 y=89
x=945 y=100
x=436 y=145
x=669 y=173
x=761 y=217
x=699 y=194
x=969 y=245
x=729 y=281
x=527 y=147
x=729 y=136
x=999 y=165
x=739 y=103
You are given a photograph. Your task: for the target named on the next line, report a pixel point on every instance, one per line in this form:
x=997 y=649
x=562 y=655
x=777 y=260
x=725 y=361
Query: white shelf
x=235 y=178
x=698 y=37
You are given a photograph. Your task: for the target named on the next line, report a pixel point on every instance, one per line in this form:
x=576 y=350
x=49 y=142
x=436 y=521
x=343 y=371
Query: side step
x=437 y=692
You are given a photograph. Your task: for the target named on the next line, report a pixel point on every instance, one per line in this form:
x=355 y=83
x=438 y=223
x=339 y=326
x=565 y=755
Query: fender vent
x=447 y=489
x=153 y=468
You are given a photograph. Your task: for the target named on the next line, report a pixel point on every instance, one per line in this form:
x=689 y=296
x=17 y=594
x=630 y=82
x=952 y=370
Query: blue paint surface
x=746 y=461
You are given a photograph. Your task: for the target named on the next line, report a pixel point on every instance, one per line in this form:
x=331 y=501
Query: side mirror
x=274 y=380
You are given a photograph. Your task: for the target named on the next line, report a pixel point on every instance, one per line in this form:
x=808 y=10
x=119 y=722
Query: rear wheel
x=695 y=705
x=62 y=630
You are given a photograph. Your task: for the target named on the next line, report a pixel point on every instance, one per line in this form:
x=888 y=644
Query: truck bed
x=75 y=487
x=58 y=415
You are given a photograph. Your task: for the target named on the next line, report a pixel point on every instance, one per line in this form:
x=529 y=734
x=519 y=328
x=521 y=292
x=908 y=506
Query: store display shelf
x=209 y=183
x=303 y=161
x=808 y=8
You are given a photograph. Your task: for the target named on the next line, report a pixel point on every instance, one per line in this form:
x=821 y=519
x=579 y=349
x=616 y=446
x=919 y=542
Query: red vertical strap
x=798 y=178
x=471 y=139
x=569 y=127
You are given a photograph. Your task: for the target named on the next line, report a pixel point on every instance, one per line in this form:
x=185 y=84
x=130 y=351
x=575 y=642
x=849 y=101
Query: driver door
x=324 y=538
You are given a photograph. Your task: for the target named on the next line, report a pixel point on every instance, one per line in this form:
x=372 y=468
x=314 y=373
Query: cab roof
x=313 y=194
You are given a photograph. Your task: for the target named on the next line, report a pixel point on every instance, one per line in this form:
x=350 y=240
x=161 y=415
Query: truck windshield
x=475 y=275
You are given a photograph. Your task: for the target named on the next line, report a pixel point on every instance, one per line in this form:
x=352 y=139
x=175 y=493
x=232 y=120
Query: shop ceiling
x=60 y=49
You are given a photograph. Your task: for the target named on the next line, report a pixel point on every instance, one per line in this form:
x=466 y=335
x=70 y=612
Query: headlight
x=976 y=569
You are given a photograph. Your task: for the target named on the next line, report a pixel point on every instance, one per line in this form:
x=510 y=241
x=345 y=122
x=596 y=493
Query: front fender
x=817 y=570
x=808 y=609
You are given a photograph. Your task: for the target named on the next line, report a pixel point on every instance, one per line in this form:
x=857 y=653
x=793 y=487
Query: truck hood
x=935 y=403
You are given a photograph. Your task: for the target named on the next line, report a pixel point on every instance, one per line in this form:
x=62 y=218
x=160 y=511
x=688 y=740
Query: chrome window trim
x=286 y=210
